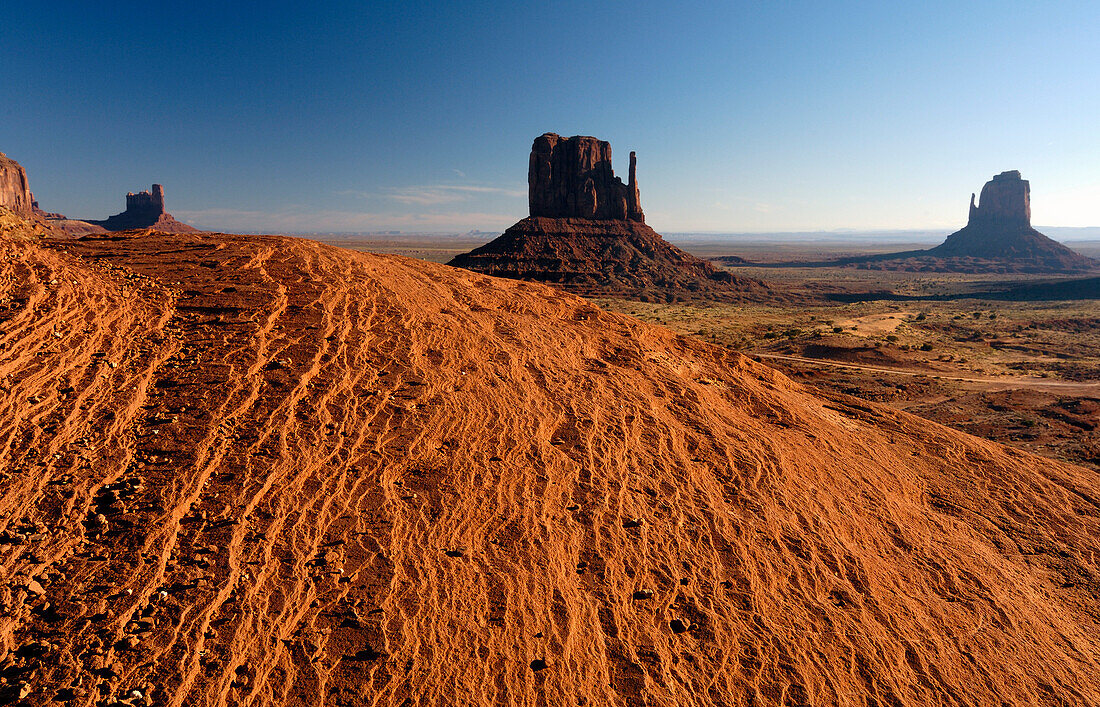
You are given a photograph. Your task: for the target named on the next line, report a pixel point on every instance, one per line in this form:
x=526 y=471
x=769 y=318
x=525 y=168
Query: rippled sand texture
x=252 y=470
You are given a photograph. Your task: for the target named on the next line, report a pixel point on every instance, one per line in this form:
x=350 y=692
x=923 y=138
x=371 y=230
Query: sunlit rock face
x=14 y=192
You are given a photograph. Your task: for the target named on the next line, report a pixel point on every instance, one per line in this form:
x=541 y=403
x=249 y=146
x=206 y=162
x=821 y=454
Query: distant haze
x=416 y=116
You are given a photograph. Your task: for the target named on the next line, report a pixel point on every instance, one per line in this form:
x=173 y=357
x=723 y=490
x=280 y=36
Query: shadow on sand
x=1078 y=289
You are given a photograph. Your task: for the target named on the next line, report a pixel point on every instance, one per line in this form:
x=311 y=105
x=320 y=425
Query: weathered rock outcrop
x=144 y=210
x=1006 y=202
x=572 y=178
x=587 y=234
x=999 y=231
x=15 y=194
x=37 y=210
x=998 y=238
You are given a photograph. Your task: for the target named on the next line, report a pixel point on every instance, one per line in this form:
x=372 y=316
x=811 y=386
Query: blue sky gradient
x=746 y=116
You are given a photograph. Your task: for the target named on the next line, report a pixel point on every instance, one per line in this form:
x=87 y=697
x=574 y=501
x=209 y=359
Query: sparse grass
x=1050 y=341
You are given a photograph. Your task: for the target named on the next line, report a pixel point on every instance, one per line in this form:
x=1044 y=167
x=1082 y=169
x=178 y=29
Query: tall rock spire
x=634 y=199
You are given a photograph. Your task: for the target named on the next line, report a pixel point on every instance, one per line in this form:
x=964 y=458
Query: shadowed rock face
x=606 y=257
x=999 y=236
x=587 y=233
x=1006 y=201
x=14 y=192
x=572 y=178
x=144 y=209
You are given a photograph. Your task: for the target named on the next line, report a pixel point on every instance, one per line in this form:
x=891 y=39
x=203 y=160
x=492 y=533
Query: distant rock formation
x=50 y=215
x=15 y=194
x=999 y=230
x=998 y=238
x=145 y=210
x=587 y=233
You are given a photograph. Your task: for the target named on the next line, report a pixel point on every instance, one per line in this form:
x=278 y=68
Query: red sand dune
x=257 y=470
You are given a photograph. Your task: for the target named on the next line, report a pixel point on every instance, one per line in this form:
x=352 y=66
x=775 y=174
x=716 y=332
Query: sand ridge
x=258 y=470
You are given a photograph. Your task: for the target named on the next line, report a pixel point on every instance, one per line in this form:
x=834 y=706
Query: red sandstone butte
x=145 y=210
x=587 y=234
x=1000 y=228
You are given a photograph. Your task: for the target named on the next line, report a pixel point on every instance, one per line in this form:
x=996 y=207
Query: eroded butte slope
x=251 y=470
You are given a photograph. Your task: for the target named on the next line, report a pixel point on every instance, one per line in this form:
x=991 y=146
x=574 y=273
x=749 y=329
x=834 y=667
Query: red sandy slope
x=330 y=478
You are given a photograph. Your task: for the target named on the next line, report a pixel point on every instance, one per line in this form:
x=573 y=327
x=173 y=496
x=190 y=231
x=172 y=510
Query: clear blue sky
x=746 y=116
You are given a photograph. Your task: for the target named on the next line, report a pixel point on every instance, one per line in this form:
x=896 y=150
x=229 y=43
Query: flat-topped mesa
x=572 y=178
x=14 y=192
x=1005 y=201
x=587 y=233
x=998 y=238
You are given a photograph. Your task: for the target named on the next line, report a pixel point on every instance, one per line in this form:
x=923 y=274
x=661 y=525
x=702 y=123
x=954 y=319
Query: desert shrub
x=891 y=337
x=926 y=346
x=838 y=329
x=921 y=317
